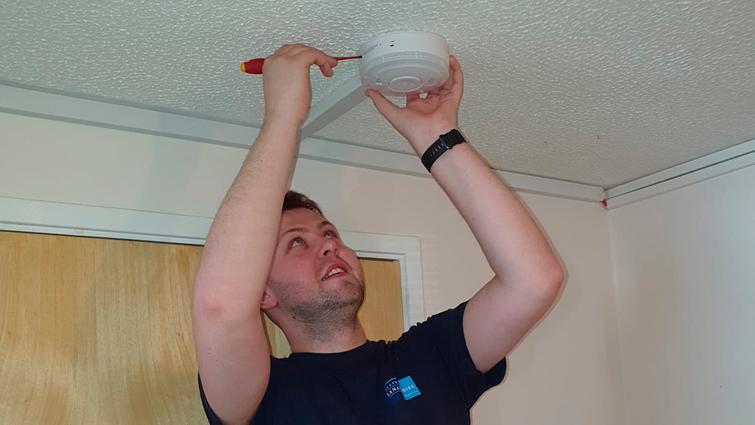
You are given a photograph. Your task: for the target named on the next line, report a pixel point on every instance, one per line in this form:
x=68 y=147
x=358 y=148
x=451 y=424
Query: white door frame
x=24 y=215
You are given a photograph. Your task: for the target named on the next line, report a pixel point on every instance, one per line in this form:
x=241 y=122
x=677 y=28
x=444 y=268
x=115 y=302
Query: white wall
x=685 y=277
x=567 y=371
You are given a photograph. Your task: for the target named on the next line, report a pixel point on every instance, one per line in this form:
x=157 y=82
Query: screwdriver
x=254 y=66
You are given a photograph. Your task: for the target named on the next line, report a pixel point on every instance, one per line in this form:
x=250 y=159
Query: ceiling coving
x=591 y=91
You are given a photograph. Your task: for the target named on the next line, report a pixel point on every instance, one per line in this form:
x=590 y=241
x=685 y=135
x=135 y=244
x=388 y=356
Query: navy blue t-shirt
x=426 y=377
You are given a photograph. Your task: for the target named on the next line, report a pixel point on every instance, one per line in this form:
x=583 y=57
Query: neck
x=326 y=339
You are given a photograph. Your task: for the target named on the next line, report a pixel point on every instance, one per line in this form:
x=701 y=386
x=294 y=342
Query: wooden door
x=99 y=330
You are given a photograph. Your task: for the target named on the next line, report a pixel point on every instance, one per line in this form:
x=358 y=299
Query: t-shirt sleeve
x=211 y=416
x=262 y=415
x=445 y=333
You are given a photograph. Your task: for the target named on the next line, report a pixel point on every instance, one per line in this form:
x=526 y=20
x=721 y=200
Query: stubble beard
x=327 y=313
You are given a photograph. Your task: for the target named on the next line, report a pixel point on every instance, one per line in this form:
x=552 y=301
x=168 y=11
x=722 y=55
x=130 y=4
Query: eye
x=291 y=245
x=330 y=231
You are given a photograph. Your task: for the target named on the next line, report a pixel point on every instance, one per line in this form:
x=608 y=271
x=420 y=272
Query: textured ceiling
x=598 y=92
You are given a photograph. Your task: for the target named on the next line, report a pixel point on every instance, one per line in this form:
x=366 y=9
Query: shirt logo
x=405 y=386
x=391 y=389
x=408 y=388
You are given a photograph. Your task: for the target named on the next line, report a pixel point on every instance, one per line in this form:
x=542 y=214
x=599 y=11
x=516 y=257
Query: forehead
x=299 y=217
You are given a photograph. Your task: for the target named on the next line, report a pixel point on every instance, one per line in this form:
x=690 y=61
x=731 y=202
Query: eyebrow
x=305 y=230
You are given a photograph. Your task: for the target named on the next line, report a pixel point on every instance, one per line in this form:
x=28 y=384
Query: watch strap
x=444 y=143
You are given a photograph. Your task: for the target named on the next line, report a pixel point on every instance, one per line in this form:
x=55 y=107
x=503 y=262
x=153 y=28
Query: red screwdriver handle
x=254 y=66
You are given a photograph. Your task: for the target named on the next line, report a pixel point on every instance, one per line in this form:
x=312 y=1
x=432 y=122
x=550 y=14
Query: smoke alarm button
x=402 y=84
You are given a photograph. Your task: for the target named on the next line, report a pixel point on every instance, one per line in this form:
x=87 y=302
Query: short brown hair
x=295 y=199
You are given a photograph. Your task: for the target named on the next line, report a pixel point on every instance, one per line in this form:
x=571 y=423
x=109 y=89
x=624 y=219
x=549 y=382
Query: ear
x=268 y=300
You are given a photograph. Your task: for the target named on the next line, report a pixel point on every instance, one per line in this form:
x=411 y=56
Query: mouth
x=335 y=270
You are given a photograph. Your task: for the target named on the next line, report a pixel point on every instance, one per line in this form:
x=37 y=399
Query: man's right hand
x=285 y=82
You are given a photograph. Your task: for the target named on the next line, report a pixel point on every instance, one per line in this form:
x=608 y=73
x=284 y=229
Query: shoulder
x=448 y=321
x=434 y=336
x=441 y=337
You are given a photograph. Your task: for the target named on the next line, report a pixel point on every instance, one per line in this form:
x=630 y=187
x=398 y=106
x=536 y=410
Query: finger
x=309 y=50
x=457 y=78
x=451 y=72
x=412 y=97
x=312 y=56
x=320 y=54
x=434 y=94
x=323 y=62
x=449 y=82
x=383 y=105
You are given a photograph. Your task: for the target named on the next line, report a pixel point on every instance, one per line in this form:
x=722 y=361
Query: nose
x=329 y=246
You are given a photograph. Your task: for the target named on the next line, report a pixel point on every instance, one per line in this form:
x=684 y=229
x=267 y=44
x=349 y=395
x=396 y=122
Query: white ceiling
x=597 y=92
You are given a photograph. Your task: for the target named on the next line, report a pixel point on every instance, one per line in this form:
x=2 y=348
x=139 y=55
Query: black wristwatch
x=444 y=143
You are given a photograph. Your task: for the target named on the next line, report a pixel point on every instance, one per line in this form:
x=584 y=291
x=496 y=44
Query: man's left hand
x=423 y=120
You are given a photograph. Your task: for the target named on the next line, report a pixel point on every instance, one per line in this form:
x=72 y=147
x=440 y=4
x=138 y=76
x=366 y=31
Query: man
x=272 y=249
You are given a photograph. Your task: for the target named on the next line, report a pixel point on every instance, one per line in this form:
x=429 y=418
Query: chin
x=355 y=291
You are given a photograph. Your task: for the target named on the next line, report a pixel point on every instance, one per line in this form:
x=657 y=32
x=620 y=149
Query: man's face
x=302 y=259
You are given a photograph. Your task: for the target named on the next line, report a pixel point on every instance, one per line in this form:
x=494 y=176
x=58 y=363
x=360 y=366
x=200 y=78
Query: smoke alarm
x=404 y=62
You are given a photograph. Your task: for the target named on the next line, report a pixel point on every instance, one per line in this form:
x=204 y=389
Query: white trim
x=25 y=215
x=552 y=187
x=707 y=167
x=405 y=250
x=41 y=104
x=337 y=103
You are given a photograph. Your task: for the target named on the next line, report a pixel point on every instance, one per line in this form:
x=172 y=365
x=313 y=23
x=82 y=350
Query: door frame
x=58 y=218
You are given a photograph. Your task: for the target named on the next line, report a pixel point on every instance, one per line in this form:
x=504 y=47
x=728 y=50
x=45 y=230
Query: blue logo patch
x=408 y=388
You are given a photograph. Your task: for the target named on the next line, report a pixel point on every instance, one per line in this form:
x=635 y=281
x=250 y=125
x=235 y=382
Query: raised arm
x=528 y=275
x=229 y=337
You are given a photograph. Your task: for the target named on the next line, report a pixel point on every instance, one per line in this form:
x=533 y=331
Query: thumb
x=383 y=105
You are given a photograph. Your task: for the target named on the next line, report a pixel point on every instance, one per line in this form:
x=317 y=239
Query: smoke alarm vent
x=404 y=62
